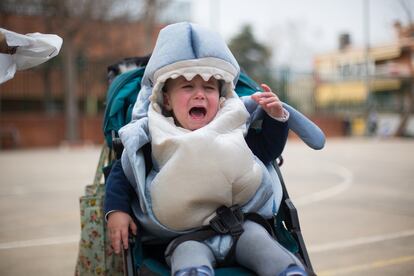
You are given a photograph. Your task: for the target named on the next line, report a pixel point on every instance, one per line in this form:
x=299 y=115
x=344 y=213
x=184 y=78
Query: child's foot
x=195 y=271
x=293 y=270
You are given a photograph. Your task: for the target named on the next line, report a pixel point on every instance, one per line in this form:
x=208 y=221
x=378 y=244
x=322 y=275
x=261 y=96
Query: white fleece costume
x=203 y=169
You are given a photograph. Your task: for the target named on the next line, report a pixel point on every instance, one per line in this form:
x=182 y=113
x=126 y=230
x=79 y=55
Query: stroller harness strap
x=228 y=220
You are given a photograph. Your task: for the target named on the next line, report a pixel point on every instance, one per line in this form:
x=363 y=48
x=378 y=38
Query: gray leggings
x=255 y=249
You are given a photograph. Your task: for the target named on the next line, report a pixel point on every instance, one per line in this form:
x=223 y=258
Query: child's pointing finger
x=266 y=88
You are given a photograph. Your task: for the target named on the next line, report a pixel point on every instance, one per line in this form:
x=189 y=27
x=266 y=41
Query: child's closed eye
x=210 y=87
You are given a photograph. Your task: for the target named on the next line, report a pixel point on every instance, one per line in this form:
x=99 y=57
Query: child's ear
x=166 y=101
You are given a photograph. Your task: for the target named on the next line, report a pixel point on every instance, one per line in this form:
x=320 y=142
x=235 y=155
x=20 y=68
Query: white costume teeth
x=204 y=67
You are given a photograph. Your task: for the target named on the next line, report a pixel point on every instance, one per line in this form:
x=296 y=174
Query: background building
x=371 y=89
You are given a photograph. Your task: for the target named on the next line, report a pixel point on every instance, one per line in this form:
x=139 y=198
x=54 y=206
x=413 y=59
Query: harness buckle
x=228 y=220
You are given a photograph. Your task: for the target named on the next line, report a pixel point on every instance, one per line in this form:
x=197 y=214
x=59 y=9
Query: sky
x=296 y=30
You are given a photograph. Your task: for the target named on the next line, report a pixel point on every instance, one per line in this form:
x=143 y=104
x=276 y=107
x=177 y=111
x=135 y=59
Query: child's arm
x=118 y=196
x=268 y=143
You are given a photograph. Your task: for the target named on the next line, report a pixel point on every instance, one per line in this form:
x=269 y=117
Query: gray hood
x=186 y=49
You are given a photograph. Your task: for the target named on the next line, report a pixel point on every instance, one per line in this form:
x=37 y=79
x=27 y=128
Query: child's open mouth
x=198 y=112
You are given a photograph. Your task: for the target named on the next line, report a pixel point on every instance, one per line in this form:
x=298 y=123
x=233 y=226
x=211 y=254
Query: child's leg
x=190 y=257
x=258 y=251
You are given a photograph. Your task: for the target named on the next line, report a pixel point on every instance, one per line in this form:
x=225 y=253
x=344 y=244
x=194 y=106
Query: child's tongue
x=197 y=112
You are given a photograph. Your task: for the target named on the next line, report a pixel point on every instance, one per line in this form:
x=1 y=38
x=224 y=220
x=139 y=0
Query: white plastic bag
x=32 y=49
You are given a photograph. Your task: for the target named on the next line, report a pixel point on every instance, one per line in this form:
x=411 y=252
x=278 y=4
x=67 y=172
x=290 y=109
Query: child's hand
x=118 y=226
x=269 y=102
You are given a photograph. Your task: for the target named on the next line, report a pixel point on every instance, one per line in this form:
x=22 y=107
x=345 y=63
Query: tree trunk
x=407 y=109
x=71 y=99
x=48 y=103
x=149 y=23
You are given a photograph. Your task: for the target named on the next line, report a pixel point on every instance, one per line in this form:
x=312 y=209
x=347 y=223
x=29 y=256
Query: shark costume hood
x=194 y=51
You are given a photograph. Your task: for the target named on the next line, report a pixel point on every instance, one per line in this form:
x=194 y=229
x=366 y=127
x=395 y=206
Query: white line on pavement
x=376 y=265
x=39 y=242
x=359 y=241
x=311 y=248
x=347 y=178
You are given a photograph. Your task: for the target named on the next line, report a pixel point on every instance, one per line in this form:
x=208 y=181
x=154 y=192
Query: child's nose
x=199 y=93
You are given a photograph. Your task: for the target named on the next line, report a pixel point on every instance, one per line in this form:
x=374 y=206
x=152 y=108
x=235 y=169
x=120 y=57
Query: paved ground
x=355 y=200
x=355 y=203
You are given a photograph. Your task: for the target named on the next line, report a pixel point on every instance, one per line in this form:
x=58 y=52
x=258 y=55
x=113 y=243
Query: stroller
x=147 y=259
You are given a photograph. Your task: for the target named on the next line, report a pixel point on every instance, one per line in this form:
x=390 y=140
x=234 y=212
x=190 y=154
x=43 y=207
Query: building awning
x=385 y=52
x=352 y=92
x=385 y=85
x=349 y=92
x=357 y=55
